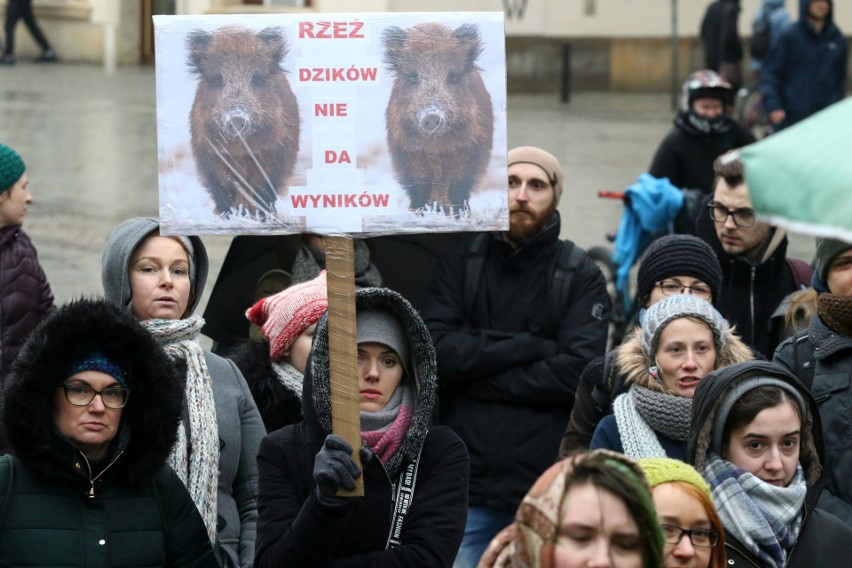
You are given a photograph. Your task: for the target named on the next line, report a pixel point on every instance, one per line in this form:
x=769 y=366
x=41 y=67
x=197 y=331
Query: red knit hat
x=282 y=317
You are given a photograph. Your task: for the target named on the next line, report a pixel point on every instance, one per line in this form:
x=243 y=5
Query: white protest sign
x=350 y=124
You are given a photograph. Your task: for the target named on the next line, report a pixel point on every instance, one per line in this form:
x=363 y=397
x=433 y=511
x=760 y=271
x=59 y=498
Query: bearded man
x=515 y=317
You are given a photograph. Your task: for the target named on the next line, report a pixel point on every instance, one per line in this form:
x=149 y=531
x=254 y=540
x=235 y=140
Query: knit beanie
x=666 y=470
x=97 y=361
x=658 y=316
x=11 y=167
x=545 y=160
x=733 y=394
x=826 y=251
x=380 y=326
x=678 y=255
x=282 y=317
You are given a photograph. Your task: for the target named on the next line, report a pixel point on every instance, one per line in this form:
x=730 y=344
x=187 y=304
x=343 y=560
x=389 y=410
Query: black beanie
x=678 y=255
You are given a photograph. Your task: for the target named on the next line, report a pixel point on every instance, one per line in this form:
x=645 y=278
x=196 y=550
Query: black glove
x=334 y=468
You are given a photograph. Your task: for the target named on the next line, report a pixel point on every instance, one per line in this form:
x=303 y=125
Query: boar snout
x=236 y=123
x=431 y=120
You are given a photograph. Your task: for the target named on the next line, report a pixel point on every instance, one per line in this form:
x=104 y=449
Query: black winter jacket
x=719 y=34
x=805 y=71
x=295 y=529
x=822 y=359
x=752 y=291
x=25 y=295
x=686 y=154
x=823 y=539
x=509 y=370
x=60 y=512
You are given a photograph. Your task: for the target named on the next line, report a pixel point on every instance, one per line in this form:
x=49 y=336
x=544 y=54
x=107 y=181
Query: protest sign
x=348 y=124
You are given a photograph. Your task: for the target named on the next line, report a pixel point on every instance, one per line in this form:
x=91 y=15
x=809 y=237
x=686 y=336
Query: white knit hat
x=659 y=315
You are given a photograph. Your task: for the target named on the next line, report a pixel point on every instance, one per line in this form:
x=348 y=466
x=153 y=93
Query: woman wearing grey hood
x=414 y=507
x=160 y=280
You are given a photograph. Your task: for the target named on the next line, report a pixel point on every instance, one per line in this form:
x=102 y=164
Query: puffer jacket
x=295 y=529
x=239 y=424
x=26 y=295
x=60 y=511
x=805 y=71
x=822 y=358
x=823 y=539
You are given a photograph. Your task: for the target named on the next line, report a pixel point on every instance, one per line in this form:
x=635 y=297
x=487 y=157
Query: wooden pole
x=343 y=348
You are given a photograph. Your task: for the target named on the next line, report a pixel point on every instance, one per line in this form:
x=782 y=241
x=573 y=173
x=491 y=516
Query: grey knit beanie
x=732 y=395
x=826 y=251
x=380 y=326
x=546 y=161
x=658 y=316
x=678 y=255
x=11 y=167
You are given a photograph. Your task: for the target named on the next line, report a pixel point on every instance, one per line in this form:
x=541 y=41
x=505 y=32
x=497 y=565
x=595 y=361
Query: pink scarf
x=385 y=443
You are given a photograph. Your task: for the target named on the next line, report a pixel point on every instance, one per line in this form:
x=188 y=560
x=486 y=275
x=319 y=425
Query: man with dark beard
x=515 y=317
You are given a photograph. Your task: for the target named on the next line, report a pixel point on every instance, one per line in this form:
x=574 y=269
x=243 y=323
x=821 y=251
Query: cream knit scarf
x=196 y=460
x=637 y=437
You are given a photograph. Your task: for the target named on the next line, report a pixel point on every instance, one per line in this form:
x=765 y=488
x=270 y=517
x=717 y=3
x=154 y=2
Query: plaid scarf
x=766 y=519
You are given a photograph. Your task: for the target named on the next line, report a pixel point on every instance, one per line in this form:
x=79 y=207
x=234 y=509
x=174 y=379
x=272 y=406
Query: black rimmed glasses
x=742 y=217
x=702 y=538
x=673 y=288
x=83 y=395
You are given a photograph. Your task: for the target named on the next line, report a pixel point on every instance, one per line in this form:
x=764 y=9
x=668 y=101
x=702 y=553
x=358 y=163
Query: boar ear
x=197 y=42
x=468 y=36
x=394 y=39
x=273 y=38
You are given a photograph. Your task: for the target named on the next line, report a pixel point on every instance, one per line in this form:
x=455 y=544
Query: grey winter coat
x=240 y=425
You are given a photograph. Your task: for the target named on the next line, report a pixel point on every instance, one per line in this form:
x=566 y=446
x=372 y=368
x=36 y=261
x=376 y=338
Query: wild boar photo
x=244 y=121
x=439 y=119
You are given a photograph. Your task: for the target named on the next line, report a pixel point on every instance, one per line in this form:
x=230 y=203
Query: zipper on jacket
x=743 y=554
x=802 y=526
x=751 y=300
x=91 y=493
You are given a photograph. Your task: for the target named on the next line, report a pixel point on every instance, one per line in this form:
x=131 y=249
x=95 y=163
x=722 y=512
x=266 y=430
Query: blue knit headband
x=97 y=361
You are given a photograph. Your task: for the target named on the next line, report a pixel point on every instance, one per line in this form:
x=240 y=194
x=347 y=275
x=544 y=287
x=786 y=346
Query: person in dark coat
x=512 y=338
x=302 y=522
x=757 y=440
x=703 y=130
x=274 y=367
x=821 y=356
x=673 y=264
x=91 y=413
x=806 y=70
x=723 y=50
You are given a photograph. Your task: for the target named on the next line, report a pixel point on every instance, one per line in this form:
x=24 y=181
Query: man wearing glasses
x=756 y=275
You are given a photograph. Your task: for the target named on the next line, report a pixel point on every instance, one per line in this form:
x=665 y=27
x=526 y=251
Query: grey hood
x=121 y=244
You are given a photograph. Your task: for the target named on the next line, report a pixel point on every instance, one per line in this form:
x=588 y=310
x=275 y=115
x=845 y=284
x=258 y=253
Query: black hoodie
x=823 y=539
x=56 y=501
x=295 y=529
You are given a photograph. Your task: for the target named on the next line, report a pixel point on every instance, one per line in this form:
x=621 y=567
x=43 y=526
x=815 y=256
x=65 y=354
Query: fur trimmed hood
x=316 y=396
x=149 y=421
x=633 y=364
x=120 y=246
x=714 y=389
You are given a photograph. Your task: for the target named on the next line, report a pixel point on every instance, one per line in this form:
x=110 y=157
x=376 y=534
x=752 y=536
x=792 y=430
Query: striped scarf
x=766 y=519
x=196 y=460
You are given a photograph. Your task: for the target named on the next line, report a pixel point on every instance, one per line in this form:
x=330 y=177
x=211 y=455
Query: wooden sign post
x=343 y=349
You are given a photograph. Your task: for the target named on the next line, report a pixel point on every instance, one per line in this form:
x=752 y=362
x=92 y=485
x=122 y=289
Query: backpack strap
x=802 y=272
x=570 y=258
x=602 y=391
x=7 y=480
x=804 y=362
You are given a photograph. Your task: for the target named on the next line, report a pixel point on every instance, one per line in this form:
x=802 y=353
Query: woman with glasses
x=160 y=280
x=694 y=533
x=90 y=411
x=757 y=440
x=682 y=339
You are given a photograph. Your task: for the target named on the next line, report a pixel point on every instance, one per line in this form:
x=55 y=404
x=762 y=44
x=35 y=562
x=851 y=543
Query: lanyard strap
x=402 y=496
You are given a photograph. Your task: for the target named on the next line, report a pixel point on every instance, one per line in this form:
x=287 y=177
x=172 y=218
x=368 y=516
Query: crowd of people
x=495 y=427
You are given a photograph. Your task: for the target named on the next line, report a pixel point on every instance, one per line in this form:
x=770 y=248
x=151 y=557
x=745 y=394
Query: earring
x=654 y=371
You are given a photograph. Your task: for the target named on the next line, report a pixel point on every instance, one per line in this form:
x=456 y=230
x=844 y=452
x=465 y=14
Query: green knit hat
x=11 y=167
x=665 y=470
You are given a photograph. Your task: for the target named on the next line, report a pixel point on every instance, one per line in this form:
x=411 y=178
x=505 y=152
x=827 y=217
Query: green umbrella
x=801 y=178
